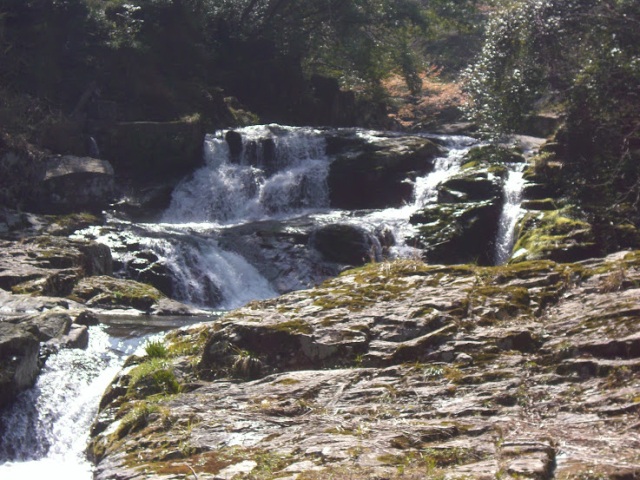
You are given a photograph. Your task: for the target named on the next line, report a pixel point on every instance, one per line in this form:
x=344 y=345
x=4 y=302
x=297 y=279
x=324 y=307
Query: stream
x=277 y=182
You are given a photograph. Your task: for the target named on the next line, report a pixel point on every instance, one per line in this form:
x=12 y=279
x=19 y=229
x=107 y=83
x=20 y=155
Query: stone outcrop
x=109 y=292
x=372 y=170
x=396 y=370
x=462 y=224
x=19 y=366
x=49 y=265
x=557 y=234
x=346 y=244
x=70 y=184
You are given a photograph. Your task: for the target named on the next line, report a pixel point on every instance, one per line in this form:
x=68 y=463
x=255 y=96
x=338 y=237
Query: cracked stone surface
x=399 y=370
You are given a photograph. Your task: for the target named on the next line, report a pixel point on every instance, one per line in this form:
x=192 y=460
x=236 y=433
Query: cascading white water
x=425 y=190
x=510 y=212
x=203 y=274
x=280 y=170
x=47 y=428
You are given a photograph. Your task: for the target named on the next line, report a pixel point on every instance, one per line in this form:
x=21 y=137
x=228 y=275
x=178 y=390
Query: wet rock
x=19 y=365
x=559 y=235
x=454 y=233
x=280 y=251
x=48 y=325
x=374 y=173
x=109 y=292
x=470 y=186
x=234 y=140
x=346 y=244
x=146 y=267
x=48 y=265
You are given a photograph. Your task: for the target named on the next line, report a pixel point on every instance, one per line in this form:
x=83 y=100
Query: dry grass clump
x=439 y=100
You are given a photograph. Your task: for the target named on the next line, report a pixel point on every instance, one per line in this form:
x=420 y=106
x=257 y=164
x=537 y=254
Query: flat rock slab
x=401 y=371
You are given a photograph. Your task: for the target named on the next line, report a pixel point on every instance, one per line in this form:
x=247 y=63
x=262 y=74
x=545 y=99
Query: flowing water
x=266 y=174
x=275 y=174
x=510 y=213
x=45 y=432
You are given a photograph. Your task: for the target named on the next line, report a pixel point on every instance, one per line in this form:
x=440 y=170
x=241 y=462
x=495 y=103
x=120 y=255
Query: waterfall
x=206 y=275
x=259 y=173
x=425 y=190
x=202 y=273
x=48 y=425
x=510 y=211
x=254 y=173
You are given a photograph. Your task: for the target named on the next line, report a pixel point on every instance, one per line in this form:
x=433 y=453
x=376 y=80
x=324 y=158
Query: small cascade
x=261 y=173
x=206 y=275
x=202 y=273
x=48 y=426
x=505 y=238
x=425 y=190
x=254 y=173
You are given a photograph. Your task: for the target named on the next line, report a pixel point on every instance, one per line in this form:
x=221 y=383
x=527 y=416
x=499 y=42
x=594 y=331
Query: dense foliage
x=579 y=56
x=165 y=56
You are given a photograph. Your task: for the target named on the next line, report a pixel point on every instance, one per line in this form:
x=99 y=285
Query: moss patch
x=114 y=292
x=558 y=235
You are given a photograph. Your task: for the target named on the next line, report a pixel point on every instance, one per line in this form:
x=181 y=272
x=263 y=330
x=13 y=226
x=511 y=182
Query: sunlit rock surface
x=396 y=370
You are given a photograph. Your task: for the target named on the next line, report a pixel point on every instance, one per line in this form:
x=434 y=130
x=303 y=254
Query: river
x=278 y=179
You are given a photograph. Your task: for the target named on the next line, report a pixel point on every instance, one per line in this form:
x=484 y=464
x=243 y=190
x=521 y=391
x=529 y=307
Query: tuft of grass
x=156 y=349
x=152 y=377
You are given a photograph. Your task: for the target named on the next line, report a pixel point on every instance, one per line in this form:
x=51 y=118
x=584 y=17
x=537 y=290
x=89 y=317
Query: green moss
x=109 y=291
x=511 y=300
x=555 y=235
x=152 y=377
x=287 y=381
x=74 y=221
x=292 y=326
x=135 y=419
x=268 y=463
x=493 y=154
x=189 y=342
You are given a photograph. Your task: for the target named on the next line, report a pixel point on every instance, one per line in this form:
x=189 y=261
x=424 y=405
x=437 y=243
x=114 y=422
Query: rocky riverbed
x=396 y=370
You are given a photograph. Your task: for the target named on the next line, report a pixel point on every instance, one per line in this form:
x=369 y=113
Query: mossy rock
x=375 y=175
x=543 y=204
x=556 y=235
x=470 y=187
x=493 y=154
x=152 y=377
x=458 y=233
x=109 y=292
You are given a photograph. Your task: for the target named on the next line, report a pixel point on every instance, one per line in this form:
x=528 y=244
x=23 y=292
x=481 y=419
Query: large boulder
x=462 y=226
x=346 y=244
x=18 y=361
x=109 y=292
x=455 y=233
x=561 y=235
x=50 y=265
x=70 y=184
x=374 y=171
